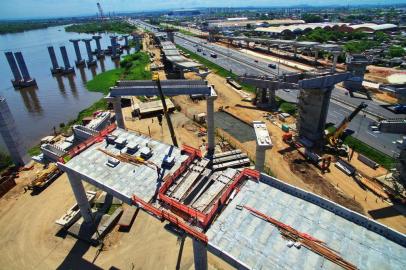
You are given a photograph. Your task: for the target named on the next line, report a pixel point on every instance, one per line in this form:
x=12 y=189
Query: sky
x=23 y=9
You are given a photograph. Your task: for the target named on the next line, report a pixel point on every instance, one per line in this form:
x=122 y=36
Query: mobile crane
x=334 y=138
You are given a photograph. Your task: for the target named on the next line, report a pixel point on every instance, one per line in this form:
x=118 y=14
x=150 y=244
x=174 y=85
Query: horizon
x=89 y=8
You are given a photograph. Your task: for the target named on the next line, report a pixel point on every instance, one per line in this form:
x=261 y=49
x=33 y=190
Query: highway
x=341 y=105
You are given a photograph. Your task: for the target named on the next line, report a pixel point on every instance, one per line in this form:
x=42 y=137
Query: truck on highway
x=400 y=108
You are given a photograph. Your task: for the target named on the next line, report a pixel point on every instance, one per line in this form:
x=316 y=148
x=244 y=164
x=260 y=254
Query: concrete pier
x=211 y=144
x=14 y=68
x=335 y=58
x=314 y=100
x=79 y=61
x=80 y=196
x=99 y=51
x=264 y=142
x=126 y=45
x=114 y=45
x=90 y=61
x=26 y=80
x=11 y=136
x=67 y=68
x=199 y=255
x=55 y=69
x=356 y=65
x=118 y=111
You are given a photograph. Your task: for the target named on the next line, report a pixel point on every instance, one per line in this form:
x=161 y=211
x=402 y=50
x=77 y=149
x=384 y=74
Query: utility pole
x=165 y=109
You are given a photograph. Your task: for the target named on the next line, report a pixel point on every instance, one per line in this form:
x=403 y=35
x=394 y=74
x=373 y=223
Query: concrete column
x=269 y=47
x=80 y=196
x=294 y=51
x=181 y=73
x=52 y=55
x=199 y=255
x=11 y=136
x=88 y=49
x=259 y=158
x=113 y=40
x=210 y=124
x=125 y=40
x=79 y=61
x=13 y=66
x=263 y=95
x=97 y=39
x=65 y=57
x=335 y=57
x=23 y=67
x=272 y=98
x=119 y=112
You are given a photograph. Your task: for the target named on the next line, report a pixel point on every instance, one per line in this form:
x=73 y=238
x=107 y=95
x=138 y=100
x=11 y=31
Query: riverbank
x=18 y=27
x=132 y=67
x=119 y=27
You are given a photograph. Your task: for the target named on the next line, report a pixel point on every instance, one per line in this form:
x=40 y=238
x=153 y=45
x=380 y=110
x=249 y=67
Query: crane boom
x=333 y=138
x=100 y=10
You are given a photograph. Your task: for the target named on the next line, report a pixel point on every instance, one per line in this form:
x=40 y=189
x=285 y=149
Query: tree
x=396 y=51
x=311 y=18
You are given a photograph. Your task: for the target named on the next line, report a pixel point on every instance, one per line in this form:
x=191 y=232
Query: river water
x=56 y=99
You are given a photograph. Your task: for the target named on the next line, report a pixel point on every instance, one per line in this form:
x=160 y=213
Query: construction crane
x=155 y=77
x=333 y=138
x=100 y=10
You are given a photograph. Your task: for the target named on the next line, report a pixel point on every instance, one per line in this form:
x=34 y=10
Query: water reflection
x=61 y=84
x=30 y=99
x=102 y=66
x=72 y=84
x=116 y=63
x=83 y=75
x=93 y=70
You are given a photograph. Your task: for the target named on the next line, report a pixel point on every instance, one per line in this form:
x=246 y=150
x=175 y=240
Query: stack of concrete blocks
x=21 y=75
x=314 y=100
x=11 y=136
x=79 y=61
x=356 y=65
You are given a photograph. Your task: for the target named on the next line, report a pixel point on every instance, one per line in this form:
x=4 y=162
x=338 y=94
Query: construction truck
x=334 y=138
x=45 y=177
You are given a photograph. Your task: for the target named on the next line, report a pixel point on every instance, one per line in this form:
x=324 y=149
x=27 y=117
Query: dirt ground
x=30 y=239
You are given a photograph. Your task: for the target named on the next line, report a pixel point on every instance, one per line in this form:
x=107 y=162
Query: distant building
x=184 y=12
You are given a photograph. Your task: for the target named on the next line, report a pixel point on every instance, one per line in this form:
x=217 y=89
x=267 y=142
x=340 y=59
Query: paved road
x=340 y=106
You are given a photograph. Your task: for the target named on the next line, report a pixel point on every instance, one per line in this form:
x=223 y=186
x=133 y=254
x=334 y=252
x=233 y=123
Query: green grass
x=370 y=152
x=103 y=81
x=216 y=68
x=287 y=107
x=35 y=150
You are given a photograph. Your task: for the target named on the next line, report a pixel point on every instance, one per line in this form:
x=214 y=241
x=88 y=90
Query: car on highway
x=256 y=61
x=213 y=55
x=272 y=65
x=400 y=108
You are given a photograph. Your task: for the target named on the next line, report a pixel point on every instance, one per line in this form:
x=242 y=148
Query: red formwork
x=89 y=142
x=162 y=214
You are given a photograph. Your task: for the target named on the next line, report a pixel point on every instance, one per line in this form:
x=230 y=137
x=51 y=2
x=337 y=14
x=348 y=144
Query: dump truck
x=45 y=177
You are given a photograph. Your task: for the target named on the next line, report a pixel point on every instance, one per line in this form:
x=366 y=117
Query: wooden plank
x=127 y=217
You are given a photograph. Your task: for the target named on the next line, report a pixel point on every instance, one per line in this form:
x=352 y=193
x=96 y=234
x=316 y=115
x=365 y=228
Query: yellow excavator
x=334 y=138
x=44 y=177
